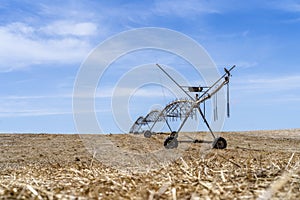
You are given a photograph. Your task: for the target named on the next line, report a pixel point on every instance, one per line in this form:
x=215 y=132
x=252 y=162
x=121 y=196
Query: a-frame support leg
x=206 y=123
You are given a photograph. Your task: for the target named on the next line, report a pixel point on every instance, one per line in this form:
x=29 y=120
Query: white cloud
x=268 y=84
x=108 y=92
x=27 y=97
x=278 y=83
x=64 y=28
x=287 y=5
x=33 y=112
x=13 y=106
x=292 y=7
x=23 y=45
x=242 y=64
x=20 y=28
x=183 y=8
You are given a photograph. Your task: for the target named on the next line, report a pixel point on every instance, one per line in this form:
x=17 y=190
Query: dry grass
x=239 y=172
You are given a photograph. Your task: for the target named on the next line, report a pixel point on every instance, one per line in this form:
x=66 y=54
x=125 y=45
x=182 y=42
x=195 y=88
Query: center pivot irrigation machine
x=183 y=109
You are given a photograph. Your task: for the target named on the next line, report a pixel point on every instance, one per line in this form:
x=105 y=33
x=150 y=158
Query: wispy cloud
x=35 y=97
x=70 y=28
x=268 y=84
x=23 y=45
x=183 y=8
x=41 y=105
x=14 y=106
x=291 y=6
x=27 y=113
x=152 y=92
x=240 y=64
x=287 y=5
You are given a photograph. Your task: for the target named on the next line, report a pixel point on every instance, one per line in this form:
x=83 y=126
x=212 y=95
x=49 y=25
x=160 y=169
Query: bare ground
x=257 y=164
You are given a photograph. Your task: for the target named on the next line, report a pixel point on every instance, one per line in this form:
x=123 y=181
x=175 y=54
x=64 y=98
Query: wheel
x=147 y=134
x=174 y=134
x=171 y=143
x=219 y=143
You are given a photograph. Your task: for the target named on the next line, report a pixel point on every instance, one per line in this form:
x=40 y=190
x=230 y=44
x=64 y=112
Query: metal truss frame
x=183 y=109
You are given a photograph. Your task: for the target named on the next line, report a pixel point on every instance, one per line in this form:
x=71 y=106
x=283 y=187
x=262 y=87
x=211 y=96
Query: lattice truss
x=178 y=109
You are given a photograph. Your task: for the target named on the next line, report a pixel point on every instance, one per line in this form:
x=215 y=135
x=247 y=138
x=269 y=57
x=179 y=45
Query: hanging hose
x=204 y=108
x=217 y=117
x=228 y=109
x=216 y=107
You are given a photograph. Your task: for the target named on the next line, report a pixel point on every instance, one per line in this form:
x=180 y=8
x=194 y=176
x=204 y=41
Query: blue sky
x=43 y=44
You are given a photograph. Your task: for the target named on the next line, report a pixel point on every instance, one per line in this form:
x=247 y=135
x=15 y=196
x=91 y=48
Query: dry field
x=255 y=165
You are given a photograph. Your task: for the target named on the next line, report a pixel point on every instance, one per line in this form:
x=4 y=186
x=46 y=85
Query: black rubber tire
x=219 y=143
x=171 y=143
x=147 y=134
x=174 y=134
